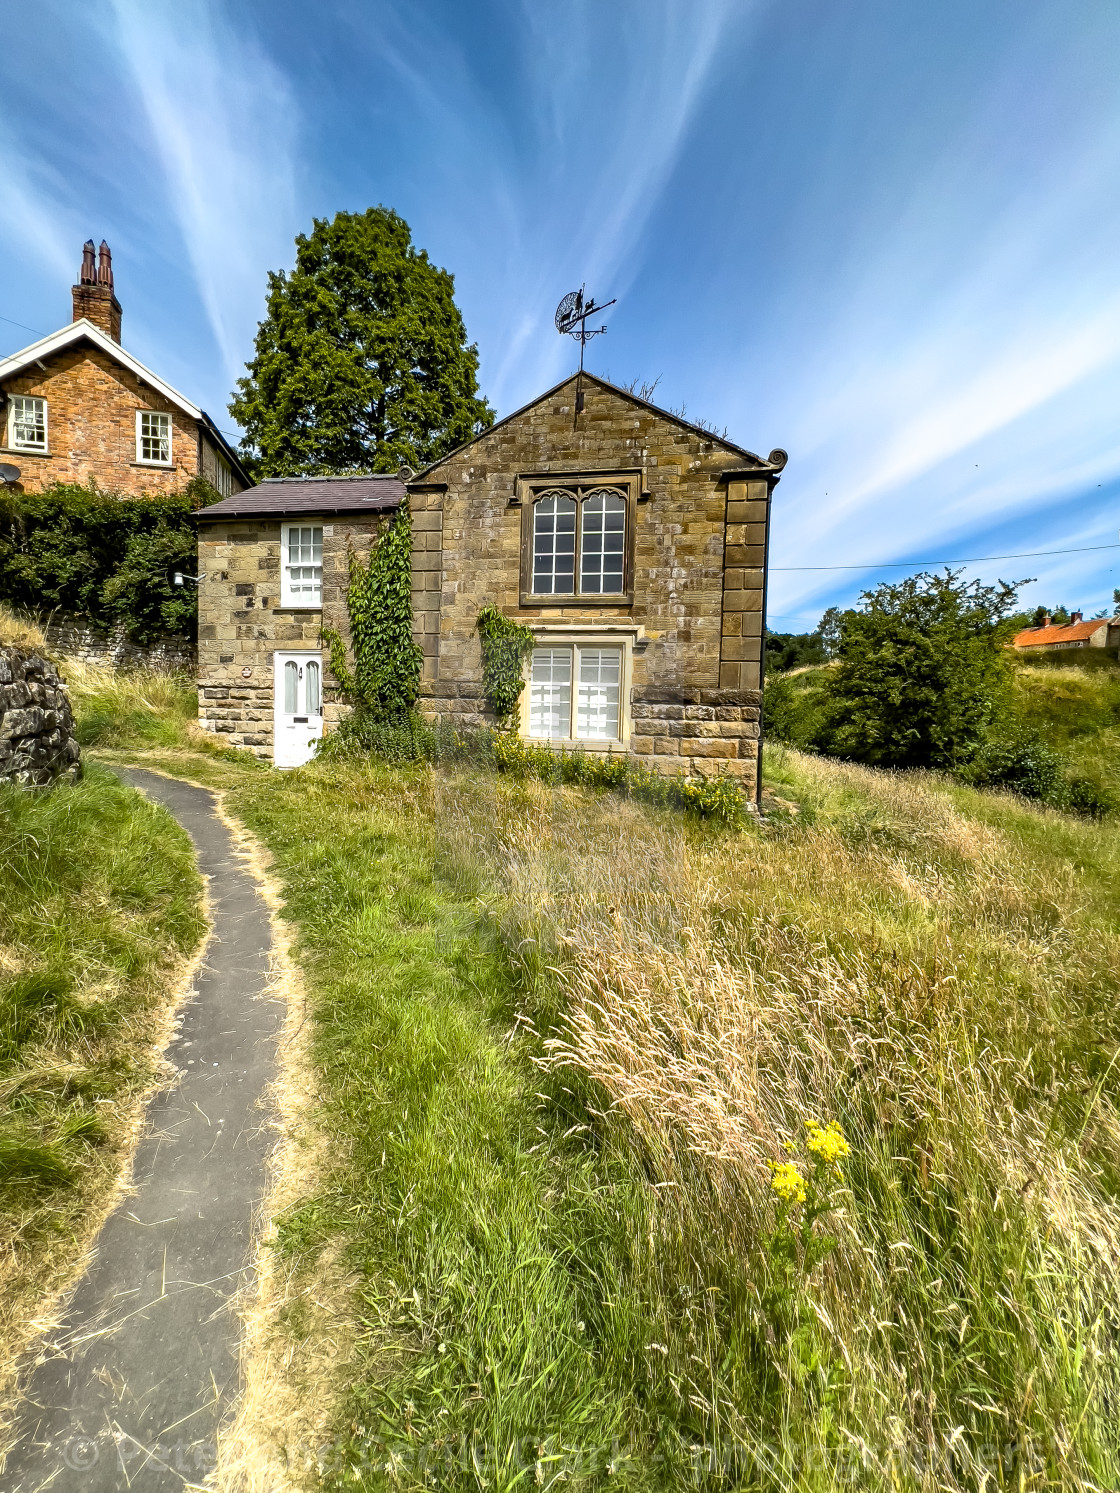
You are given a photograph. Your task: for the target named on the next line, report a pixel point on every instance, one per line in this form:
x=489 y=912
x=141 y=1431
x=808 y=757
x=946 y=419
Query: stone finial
x=104 y=265
x=88 y=274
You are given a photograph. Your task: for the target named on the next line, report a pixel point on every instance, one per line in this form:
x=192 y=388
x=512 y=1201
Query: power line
x=24 y=326
x=970 y=560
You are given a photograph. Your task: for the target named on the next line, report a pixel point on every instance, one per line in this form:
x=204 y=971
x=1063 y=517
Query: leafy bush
x=921 y=674
x=104 y=557
x=1082 y=796
x=1019 y=759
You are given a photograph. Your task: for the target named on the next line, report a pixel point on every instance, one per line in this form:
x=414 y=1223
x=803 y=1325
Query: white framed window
x=153 y=438
x=301 y=565
x=223 y=476
x=27 y=423
x=576 y=691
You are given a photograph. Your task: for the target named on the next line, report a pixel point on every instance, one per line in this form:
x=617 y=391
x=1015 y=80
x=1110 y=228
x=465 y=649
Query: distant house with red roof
x=1098 y=632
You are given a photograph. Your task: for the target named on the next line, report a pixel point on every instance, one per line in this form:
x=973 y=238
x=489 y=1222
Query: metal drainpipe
x=770 y=486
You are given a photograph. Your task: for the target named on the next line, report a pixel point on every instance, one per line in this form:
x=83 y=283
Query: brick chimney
x=1076 y=617
x=93 y=294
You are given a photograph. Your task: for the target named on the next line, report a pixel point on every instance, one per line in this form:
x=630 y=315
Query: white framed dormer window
x=27 y=423
x=577 y=689
x=153 y=438
x=301 y=565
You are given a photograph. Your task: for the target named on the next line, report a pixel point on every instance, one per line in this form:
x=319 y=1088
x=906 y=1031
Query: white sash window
x=27 y=423
x=153 y=438
x=301 y=565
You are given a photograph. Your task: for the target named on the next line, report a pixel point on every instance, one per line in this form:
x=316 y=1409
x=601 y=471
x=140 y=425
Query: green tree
x=362 y=362
x=922 y=675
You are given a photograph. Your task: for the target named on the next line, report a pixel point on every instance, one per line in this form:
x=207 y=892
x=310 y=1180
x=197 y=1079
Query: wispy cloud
x=223 y=124
x=33 y=222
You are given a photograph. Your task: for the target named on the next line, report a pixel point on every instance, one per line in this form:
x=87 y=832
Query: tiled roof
x=1059 y=632
x=279 y=497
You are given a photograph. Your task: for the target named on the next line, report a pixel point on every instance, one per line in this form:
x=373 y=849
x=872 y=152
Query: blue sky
x=881 y=234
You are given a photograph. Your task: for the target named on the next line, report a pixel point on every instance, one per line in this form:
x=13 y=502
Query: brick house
x=76 y=407
x=631 y=542
x=1098 y=632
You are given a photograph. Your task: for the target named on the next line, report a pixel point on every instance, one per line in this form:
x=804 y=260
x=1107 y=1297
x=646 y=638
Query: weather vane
x=571 y=321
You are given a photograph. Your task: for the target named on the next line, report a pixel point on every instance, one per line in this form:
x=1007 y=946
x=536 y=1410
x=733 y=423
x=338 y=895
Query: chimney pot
x=104 y=265
x=88 y=274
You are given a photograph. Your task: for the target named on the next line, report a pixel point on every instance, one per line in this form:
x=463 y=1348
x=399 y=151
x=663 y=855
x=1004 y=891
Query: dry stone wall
x=80 y=639
x=37 y=742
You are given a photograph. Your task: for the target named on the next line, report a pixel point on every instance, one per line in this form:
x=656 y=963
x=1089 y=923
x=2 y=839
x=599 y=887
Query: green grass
x=1077 y=709
x=558 y=1038
x=99 y=898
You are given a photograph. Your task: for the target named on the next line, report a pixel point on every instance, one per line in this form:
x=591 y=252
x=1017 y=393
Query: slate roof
x=1058 y=632
x=285 y=497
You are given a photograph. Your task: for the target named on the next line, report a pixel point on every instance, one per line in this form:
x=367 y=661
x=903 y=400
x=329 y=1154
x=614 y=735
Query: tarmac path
x=130 y=1390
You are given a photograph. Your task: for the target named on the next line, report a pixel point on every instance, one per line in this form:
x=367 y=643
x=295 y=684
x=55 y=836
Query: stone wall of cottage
x=37 y=742
x=241 y=622
x=699 y=558
x=91 y=427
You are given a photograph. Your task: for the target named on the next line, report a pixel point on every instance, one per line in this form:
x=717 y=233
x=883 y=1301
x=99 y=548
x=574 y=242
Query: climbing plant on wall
x=385 y=679
x=505 y=647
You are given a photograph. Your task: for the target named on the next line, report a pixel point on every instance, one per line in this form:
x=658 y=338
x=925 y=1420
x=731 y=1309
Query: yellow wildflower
x=788 y=1183
x=827 y=1142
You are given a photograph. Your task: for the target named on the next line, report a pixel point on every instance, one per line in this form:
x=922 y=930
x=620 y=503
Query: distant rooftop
x=281 y=497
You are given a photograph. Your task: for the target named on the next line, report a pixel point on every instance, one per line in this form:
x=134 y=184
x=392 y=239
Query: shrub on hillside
x=104 y=557
x=921 y=674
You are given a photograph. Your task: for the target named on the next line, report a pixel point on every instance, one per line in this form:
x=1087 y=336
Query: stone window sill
x=24 y=451
x=154 y=466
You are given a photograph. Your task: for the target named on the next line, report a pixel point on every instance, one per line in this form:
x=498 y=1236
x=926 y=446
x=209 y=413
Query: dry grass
x=20 y=631
x=929 y=979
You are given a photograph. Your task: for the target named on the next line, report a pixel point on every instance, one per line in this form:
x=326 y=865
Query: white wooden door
x=297 y=694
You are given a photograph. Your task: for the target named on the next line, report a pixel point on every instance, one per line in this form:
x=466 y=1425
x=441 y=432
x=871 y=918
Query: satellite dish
x=8 y=473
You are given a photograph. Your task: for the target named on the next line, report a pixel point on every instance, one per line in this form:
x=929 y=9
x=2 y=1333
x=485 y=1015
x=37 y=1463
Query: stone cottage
x=76 y=407
x=632 y=543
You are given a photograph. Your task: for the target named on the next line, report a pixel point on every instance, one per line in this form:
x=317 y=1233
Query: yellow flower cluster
x=788 y=1183
x=827 y=1143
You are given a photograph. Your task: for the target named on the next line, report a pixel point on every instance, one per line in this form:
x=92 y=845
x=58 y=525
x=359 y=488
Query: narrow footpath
x=129 y=1392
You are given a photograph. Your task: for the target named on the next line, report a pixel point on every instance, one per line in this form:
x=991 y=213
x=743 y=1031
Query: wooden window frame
x=146 y=461
x=532 y=486
x=36 y=450
x=289 y=602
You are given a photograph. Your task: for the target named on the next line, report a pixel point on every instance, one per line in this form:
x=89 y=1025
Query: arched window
x=603 y=539
x=312 y=675
x=554 y=544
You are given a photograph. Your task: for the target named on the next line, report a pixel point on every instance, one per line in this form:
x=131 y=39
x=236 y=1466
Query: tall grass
x=562 y=1041
x=99 y=902
x=948 y=993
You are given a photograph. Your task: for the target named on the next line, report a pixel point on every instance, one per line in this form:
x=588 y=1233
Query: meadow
x=577 y=1216
x=637 y=1151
